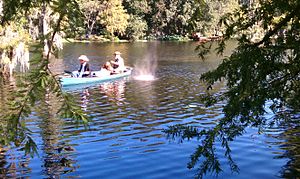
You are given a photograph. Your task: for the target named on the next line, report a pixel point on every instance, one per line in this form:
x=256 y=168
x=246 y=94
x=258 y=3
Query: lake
x=125 y=137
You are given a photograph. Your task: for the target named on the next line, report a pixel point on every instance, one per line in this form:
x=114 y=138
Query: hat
x=117 y=53
x=84 y=58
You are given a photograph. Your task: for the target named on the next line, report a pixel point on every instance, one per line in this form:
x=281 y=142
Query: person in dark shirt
x=84 y=69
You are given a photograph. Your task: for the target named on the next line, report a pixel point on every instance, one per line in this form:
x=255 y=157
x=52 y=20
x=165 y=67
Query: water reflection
x=113 y=91
x=57 y=155
x=290 y=145
x=9 y=164
x=125 y=138
x=7 y=86
x=12 y=163
x=84 y=99
x=145 y=97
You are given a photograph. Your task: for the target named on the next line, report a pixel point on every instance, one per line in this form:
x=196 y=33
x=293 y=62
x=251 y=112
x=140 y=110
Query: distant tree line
x=127 y=19
x=24 y=22
x=138 y=19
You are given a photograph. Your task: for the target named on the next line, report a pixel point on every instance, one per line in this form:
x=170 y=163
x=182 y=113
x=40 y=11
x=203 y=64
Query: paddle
x=69 y=72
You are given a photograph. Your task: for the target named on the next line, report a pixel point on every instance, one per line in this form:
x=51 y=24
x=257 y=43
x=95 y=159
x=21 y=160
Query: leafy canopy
x=264 y=68
x=40 y=82
x=114 y=17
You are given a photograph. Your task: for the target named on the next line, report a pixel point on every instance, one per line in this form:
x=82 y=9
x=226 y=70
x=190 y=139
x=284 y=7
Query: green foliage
x=91 y=11
x=155 y=17
x=163 y=17
x=70 y=14
x=261 y=70
x=35 y=87
x=39 y=83
x=136 y=28
x=69 y=109
x=139 y=8
x=173 y=17
x=114 y=17
x=262 y=73
x=216 y=10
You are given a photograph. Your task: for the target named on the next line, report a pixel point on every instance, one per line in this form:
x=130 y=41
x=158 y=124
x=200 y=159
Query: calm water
x=125 y=138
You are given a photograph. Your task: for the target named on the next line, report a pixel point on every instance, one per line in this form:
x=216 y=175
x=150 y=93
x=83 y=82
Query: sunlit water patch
x=144 y=77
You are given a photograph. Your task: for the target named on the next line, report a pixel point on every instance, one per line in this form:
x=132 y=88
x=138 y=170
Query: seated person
x=118 y=63
x=106 y=70
x=84 y=69
x=108 y=66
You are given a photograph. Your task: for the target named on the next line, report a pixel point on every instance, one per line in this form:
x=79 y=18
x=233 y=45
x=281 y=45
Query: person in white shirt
x=118 y=63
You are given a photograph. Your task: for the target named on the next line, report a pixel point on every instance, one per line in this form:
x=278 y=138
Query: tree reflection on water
x=291 y=146
x=12 y=135
x=57 y=154
x=84 y=99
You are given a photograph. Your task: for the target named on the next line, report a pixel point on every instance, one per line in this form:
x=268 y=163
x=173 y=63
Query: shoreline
x=100 y=39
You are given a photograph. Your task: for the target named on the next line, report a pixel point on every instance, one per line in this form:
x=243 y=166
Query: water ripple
x=125 y=138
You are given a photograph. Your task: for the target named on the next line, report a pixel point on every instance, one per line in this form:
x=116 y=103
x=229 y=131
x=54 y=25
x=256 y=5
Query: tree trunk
x=91 y=27
x=1 y=7
x=44 y=28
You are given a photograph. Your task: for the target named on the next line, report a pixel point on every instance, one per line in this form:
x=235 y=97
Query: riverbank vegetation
x=102 y=21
